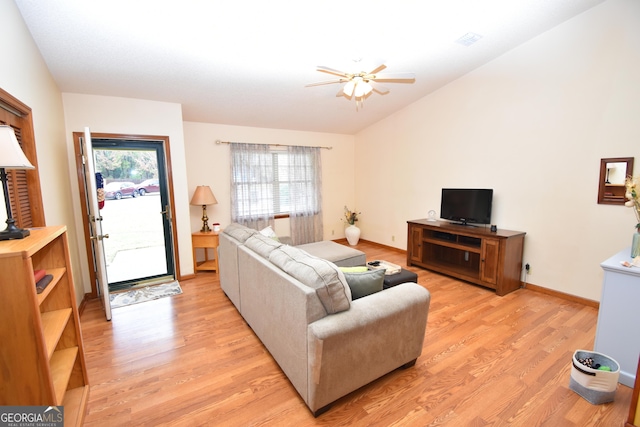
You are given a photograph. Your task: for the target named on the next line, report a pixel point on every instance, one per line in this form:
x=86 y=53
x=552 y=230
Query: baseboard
x=391 y=248
x=530 y=286
x=83 y=303
x=369 y=242
x=568 y=297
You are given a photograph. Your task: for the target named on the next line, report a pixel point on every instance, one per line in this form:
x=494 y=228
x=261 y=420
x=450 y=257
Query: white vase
x=352 y=233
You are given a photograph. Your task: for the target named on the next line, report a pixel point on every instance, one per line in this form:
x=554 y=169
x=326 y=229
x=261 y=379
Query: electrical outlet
x=393 y=238
x=333 y=232
x=527 y=268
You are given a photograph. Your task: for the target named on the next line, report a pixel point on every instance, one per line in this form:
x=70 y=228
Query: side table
x=205 y=240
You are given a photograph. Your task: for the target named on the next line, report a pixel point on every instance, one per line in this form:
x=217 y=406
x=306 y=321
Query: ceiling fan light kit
x=357 y=86
x=360 y=85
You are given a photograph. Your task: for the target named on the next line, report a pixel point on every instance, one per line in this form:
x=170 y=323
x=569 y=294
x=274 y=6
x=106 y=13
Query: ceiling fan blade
x=326 y=82
x=324 y=69
x=378 y=68
x=394 y=76
x=382 y=90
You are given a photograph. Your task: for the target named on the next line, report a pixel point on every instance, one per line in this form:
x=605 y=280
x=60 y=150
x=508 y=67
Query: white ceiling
x=247 y=62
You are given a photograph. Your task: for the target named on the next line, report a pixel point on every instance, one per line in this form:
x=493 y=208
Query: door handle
x=167 y=212
x=104 y=236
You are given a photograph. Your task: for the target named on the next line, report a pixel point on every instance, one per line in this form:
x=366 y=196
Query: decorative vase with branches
x=633 y=202
x=352 y=233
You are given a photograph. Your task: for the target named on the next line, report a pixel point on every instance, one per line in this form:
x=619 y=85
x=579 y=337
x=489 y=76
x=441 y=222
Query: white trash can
x=594 y=385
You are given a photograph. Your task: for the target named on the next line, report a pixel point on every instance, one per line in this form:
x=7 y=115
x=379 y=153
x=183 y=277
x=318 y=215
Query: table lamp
x=11 y=157
x=204 y=196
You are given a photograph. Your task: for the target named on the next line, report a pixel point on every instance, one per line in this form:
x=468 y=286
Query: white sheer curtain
x=305 y=194
x=252 y=177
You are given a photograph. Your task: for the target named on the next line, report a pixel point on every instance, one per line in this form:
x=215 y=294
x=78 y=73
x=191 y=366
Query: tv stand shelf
x=473 y=254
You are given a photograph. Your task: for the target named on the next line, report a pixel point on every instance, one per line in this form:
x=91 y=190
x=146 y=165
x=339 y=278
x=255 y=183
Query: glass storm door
x=136 y=212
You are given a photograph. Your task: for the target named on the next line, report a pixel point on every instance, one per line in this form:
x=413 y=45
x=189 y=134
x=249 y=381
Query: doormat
x=148 y=293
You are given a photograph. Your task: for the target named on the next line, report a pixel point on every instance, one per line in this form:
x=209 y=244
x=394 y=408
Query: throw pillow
x=268 y=232
x=363 y=284
x=356 y=269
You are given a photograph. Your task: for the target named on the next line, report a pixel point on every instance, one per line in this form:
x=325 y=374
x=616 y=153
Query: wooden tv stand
x=473 y=254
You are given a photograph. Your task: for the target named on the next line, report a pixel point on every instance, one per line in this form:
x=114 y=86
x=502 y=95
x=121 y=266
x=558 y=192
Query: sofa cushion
x=319 y=274
x=340 y=255
x=262 y=245
x=364 y=283
x=239 y=232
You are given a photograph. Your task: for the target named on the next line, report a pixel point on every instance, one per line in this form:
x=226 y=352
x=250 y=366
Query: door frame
x=83 y=195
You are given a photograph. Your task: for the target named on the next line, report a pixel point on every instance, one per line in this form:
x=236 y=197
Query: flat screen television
x=466 y=205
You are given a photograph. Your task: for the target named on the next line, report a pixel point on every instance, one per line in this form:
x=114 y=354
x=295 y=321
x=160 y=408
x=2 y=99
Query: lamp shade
x=203 y=196
x=11 y=155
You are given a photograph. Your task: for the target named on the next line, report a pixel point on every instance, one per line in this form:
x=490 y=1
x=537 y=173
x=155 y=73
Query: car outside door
x=118 y=190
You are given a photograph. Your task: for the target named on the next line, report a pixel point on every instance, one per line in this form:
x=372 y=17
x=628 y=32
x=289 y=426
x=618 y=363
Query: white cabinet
x=617 y=333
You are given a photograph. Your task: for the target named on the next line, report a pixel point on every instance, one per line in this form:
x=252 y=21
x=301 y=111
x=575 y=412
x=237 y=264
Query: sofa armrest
x=378 y=334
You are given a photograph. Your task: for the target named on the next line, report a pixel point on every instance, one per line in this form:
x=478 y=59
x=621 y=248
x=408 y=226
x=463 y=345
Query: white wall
x=24 y=75
x=209 y=164
x=104 y=114
x=533 y=125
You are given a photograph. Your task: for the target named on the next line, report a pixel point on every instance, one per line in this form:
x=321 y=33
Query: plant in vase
x=352 y=233
x=633 y=184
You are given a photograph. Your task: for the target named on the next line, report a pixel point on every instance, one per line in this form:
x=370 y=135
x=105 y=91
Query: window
x=284 y=181
x=281 y=183
x=264 y=183
x=269 y=182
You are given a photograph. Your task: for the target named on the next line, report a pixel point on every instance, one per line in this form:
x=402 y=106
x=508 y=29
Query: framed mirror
x=613 y=172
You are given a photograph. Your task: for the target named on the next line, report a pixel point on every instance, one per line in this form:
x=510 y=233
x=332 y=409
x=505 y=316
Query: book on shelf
x=43 y=283
x=38 y=275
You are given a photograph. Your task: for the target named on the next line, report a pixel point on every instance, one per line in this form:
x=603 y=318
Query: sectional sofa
x=300 y=307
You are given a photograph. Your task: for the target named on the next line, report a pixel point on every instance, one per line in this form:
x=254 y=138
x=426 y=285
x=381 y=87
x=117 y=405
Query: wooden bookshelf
x=42 y=352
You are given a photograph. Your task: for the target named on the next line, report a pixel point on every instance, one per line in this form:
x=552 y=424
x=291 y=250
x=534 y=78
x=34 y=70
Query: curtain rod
x=272 y=145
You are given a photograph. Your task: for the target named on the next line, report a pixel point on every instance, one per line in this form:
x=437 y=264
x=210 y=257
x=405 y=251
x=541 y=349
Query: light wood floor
x=487 y=360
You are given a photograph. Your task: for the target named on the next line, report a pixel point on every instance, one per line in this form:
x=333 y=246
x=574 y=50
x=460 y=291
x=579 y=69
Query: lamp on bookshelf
x=11 y=157
x=203 y=196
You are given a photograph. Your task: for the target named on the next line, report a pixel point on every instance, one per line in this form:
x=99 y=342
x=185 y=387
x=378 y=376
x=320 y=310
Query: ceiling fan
x=360 y=84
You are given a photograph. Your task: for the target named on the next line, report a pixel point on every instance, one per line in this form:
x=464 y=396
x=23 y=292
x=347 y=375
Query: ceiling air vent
x=468 y=39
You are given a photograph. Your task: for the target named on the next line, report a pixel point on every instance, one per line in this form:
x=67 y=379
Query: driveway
x=135 y=247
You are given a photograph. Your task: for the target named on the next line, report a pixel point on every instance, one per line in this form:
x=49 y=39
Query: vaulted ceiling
x=248 y=62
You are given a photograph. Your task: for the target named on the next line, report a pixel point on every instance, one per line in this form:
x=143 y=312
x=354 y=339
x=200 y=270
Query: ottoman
x=403 y=277
x=340 y=255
